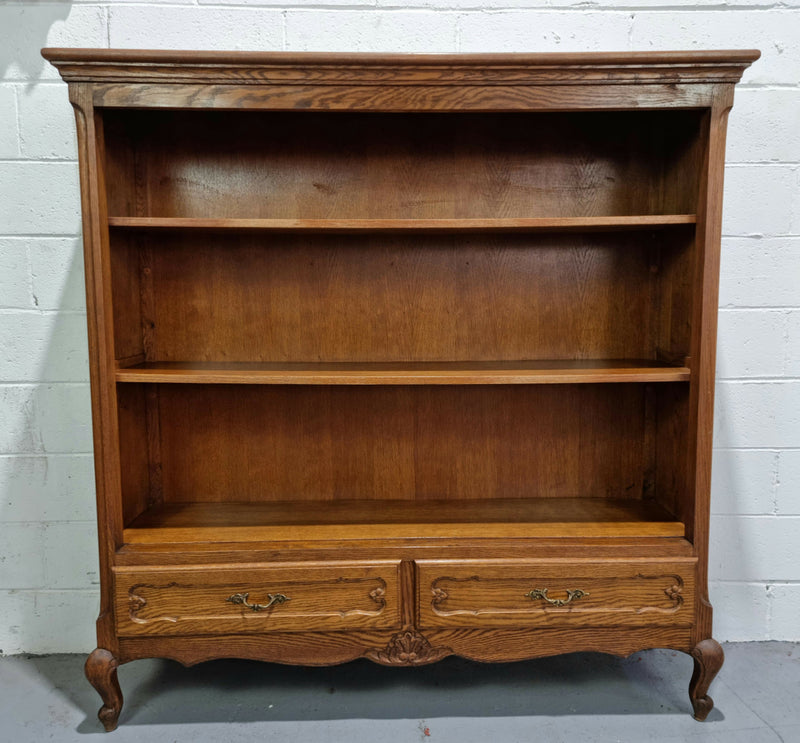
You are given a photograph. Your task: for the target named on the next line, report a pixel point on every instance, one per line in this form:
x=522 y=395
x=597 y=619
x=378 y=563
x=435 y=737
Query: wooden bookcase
x=399 y=357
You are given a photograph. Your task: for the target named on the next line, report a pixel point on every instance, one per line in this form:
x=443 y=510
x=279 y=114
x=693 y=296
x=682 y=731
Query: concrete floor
x=580 y=698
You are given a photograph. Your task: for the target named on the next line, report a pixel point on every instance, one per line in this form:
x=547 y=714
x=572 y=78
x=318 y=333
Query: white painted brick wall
x=747 y=343
x=552 y=31
x=47 y=488
x=360 y=31
x=740 y=610
x=754 y=548
x=39 y=197
x=744 y=482
x=787 y=493
x=46 y=129
x=752 y=414
x=760 y=198
x=56 y=273
x=765 y=126
x=9 y=136
x=47 y=534
x=759 y=272
x=188 y=28
x=15 y=284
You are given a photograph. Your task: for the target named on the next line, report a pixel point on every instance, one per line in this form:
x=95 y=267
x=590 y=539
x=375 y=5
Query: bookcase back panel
x=140 y=483
x=252 y=297
x=231 y=443
x=378 y=165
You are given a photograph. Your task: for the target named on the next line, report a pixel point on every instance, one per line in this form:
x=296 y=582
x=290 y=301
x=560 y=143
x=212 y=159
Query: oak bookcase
x=400 y=357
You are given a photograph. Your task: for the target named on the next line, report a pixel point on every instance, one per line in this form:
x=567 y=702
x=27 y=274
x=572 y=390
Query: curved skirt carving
x=407 y=648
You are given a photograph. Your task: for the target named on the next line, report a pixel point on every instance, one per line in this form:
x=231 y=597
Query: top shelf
x=543 y=224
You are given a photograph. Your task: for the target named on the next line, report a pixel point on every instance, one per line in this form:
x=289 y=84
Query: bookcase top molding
x=322 y=68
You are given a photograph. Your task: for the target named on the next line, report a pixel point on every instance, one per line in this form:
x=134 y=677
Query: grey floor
x=580 y=698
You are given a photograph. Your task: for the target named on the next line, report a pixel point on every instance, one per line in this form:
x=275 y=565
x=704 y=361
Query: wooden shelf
x=401 y=519
x=463 y=372
x=552 y=224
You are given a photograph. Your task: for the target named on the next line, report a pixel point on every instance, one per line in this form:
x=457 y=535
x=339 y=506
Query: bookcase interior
x=369 y=373
x=230 y=296
x=279 y=164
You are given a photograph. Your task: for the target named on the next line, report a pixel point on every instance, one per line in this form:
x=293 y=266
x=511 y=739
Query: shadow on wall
x=46 y=481
x=26 y=29
x=47 y=484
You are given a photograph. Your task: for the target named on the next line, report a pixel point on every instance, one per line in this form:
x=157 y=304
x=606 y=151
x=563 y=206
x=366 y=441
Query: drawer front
x=555 y=593
x=256 y=598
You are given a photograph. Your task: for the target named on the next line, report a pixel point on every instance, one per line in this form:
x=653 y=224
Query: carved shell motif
x=408 y=648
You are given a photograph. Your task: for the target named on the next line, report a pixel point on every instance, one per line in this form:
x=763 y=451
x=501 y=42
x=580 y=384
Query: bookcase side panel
x=97 y=266
x=696 y=504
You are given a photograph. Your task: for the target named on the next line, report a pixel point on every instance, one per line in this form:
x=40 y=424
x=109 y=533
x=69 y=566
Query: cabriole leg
x=708 y=659
x=101 y=670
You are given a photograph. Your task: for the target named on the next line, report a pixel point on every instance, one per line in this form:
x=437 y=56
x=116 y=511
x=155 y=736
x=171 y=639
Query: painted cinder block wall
x=48 y=569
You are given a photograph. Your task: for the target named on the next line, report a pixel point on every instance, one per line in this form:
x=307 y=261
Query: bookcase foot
x=101 y=670
x=708 y=659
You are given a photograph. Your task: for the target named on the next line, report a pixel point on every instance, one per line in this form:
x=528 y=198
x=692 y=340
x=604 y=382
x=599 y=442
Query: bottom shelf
x=401 y=519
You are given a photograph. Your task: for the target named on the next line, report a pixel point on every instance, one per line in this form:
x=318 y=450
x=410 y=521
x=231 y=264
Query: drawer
x=206 y=600
x=554 y=593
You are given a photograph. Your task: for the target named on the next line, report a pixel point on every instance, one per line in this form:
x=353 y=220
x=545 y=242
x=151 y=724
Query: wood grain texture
x=416 y=98
x=341 y=168
x=382 y=226
x=696 y=502
x=246 y=443
x=342 y=373
x=708 y=659
x=140 y=554
x=99 y=316
x=448 y=318
x=138 y=479
x=126 y=290
x=258 y=68
x=497 y=593
x=101 y=672
x=153 y=426
x=401 y=519
x=332 y=648
x=257 y=298
x=196 y=601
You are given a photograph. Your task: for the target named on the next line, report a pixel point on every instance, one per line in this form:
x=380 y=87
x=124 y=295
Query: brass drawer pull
x=241 y=598
x=541 y=593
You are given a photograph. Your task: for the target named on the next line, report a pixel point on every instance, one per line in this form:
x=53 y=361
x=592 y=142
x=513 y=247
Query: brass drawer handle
x=541 y=593
x=241 y=598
